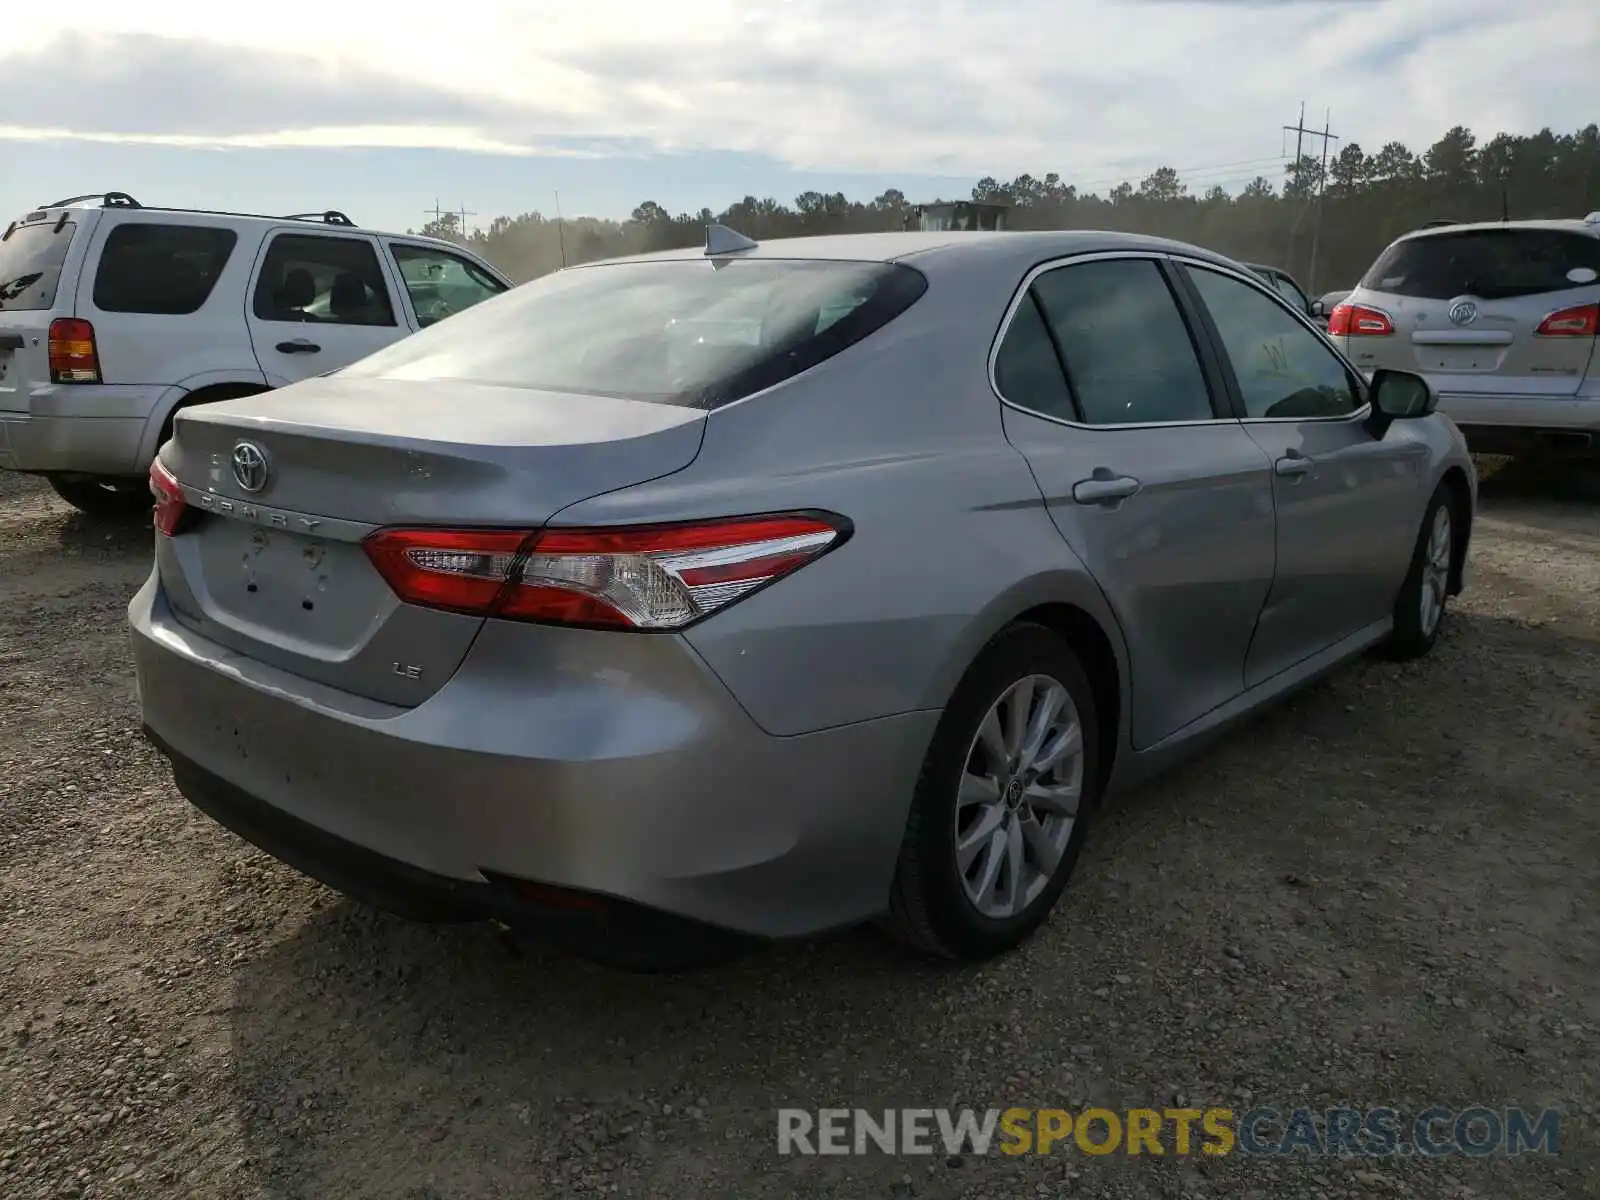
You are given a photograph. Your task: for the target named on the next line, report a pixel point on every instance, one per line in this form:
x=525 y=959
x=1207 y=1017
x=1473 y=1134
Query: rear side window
x=1494 y=264
x=30 y=264
x=685 y=331
x=1127 y=350
x=164 y=269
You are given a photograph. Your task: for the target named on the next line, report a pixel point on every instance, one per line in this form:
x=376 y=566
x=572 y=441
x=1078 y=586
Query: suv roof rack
x=331 y=216
x=107 y=199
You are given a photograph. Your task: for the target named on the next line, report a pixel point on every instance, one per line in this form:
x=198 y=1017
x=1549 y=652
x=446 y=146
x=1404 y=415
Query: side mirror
x=1399 y=396
x=1318 y=309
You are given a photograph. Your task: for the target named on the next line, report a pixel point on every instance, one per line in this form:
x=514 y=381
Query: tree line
x=1325 y=227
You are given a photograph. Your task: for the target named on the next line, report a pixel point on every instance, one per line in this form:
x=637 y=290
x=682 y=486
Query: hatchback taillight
x=170 y=505
x=74 y=357
x=646 y=577
x=1357 y=320
x=1582 y=321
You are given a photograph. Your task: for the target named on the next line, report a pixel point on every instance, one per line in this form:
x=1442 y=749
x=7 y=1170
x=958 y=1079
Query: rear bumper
x=1487 y=411
x=642 y=781
x=91 y=429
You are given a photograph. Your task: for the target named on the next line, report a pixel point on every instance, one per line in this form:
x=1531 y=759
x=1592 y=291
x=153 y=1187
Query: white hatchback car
x=114 y=315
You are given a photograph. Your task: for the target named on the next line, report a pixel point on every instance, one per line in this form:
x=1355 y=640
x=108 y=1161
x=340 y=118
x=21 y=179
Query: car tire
x=1419 y=610
x=939 y=903
x=103 y=498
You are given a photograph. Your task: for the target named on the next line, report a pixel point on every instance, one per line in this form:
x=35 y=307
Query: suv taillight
x=170 y=505
x=1582 y=320
x=1356 y=320
x=650 y=577
x=74 y=357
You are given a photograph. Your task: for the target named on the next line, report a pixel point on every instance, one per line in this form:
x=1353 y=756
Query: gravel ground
x=1384 y=893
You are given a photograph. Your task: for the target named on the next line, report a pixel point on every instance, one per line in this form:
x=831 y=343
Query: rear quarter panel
x=902 y=435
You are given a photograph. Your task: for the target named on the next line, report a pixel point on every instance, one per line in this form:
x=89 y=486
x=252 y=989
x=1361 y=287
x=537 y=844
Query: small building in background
x=942 y=215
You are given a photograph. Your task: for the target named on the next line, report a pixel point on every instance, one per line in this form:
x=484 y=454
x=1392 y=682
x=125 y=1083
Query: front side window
x=1283 y=369
x=168 y=270
x=441 y=283
x=1288 y=290
x=693 y=332
x=1127 y=351
x=322 y=280
x=30 y=264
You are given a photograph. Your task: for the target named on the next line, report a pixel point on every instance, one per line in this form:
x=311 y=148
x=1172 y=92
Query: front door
x=1343 y=496
x=1167 y=501
x=319 y=302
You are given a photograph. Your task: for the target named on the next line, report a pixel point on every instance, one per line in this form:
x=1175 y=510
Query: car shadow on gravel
x=117 y=536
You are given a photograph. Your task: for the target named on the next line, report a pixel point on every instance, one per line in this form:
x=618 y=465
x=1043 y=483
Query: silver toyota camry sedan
x=666 y=604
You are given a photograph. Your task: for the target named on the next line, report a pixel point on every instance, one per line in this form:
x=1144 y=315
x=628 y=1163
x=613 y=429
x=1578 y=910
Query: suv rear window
x=1495 y=264
x=164 y=269
x=684 y=331
x=30 y=263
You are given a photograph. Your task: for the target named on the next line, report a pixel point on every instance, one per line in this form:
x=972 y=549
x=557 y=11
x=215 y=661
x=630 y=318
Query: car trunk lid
x=279 y=573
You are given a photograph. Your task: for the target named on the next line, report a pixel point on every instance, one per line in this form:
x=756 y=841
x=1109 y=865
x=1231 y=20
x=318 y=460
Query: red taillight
x=74 y=358
x=1356 y=320
x=652 y=577
x=170 y=506
x=1581 y=321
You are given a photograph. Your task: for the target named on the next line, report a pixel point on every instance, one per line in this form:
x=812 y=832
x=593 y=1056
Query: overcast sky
x=383 y=108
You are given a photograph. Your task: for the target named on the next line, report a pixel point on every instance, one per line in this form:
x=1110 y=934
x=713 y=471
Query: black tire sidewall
x=1409 y=639
x=1020 y=651
x=100 y=500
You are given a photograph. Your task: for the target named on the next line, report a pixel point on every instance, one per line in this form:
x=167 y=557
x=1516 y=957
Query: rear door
x=33 y=260
x=1496 y=310
x=319 y=301
x=1346 y=502
x=1159 y=491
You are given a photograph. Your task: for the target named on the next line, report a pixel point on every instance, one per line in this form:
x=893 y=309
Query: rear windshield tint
x=30 y=264
x=687 y=332
x=164 y=269
x=1493 y=264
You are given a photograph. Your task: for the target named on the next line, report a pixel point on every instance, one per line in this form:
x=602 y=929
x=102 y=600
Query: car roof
x=1559 y=225
x=1020 y=248
x=316 y=220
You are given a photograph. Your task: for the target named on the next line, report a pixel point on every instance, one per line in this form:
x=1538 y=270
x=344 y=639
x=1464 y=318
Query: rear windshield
x=30 y=264
x=689 y=332
x=164 y=269
x=1493 y=264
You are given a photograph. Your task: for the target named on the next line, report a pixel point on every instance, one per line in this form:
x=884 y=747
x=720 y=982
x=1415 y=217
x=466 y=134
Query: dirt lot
x=1386 y=893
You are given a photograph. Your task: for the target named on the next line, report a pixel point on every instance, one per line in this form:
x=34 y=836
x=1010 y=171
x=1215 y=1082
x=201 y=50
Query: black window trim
x=1222 y=407
x=1182 y=265
x=333 y=233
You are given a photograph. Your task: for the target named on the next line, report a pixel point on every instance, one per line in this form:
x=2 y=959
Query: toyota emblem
x=1463 y=312
x=251 y=470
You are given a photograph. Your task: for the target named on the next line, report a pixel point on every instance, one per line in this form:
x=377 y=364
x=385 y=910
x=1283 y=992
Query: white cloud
x=1096 y=91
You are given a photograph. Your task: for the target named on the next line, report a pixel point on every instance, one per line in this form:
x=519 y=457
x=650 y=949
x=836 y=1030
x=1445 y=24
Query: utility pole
x=1326 y=134
x=561 y=233
x=464 y=213
x=1322 y=190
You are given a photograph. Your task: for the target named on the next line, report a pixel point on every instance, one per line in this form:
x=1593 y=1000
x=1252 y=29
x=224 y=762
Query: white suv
x=114 y=315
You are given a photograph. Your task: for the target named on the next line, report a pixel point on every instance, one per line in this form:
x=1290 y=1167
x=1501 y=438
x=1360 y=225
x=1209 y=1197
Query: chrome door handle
x=1292 y=465
x=1104 y=489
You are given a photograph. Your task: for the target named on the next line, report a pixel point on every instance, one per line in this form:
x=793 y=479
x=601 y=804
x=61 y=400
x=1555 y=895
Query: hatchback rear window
x=685 y=331
x=1494 y=264
x=30 y=263
x=164 y=269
